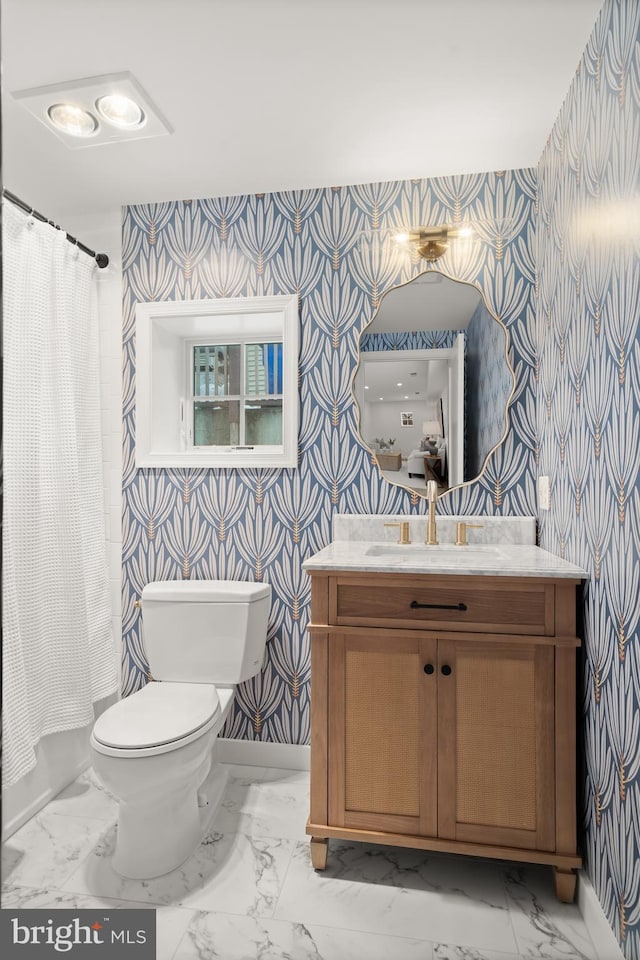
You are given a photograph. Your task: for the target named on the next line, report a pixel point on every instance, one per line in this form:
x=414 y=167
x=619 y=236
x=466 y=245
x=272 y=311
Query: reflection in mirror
x=433 y=383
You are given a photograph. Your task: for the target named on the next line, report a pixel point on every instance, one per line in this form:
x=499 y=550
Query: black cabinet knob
x=446 y=670
x=429 y=668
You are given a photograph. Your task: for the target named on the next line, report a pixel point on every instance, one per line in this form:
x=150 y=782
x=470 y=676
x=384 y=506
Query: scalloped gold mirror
x=433 y=383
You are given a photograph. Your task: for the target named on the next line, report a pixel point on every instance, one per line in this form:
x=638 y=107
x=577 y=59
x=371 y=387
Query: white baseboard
x=260 y=753
x=600 y=931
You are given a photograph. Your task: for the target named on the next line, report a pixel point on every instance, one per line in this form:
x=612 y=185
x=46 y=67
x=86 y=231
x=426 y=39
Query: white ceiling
x=413 y=380
x=270 y=95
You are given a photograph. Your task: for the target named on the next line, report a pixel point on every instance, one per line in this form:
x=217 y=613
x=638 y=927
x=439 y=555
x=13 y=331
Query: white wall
x=383 y=420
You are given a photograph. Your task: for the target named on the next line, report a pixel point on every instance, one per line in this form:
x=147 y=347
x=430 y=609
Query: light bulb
x=121 y=111
x=72 y=120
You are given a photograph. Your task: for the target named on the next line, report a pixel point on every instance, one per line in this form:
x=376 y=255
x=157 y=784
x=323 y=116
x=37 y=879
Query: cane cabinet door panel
x=383 y=733
x=496 y=743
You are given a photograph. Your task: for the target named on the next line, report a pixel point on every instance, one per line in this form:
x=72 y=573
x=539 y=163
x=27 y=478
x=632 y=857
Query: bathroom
x=573 y=418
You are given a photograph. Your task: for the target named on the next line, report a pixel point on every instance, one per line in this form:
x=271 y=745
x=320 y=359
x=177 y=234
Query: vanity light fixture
x=95 y=110
x=432 y=242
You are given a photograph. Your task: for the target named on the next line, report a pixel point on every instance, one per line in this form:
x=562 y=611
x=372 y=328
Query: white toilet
x=154 y=749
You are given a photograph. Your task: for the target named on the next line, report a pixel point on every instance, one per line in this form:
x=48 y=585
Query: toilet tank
x=205 y=631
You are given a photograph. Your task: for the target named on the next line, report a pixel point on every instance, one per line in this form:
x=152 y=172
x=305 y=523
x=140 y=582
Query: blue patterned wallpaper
x=588 y=372
x=488 y=386
x=332 y=247
x=409 y=340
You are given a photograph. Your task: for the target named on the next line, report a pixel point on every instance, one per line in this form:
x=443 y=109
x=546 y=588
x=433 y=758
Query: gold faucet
x=432 y=496
x=461 y=532
x=404 y=530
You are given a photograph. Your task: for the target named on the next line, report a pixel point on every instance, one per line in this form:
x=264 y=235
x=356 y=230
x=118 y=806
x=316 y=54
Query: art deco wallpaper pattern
x=332 y=247
x=588 y=381
x=408 y=340
x=489 y=383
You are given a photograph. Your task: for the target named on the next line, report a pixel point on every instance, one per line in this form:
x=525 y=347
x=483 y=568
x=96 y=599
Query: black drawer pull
x=437 y=606
x=429 y=668
x=446 y=670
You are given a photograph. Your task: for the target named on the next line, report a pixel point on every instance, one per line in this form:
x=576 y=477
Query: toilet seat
x=161 y=717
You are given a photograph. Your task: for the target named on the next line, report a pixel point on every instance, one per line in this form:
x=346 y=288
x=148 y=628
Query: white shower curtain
x=58 y=656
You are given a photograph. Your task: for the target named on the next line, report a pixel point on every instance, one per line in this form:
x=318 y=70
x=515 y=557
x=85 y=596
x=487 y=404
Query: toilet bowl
x=157 y=783
x=153 y=750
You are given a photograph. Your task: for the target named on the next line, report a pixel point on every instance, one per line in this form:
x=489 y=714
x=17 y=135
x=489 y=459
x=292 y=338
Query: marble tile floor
x=250 y=893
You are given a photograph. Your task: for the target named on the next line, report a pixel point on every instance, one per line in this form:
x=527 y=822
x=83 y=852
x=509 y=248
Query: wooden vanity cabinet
x=445 y=729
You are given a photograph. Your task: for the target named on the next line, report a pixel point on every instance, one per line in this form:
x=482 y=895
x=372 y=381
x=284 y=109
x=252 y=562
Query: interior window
x=216 y=383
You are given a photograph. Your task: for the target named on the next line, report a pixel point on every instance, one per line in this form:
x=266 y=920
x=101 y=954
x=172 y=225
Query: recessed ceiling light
x=121 y=111
x=399 y=384
x=72 y=120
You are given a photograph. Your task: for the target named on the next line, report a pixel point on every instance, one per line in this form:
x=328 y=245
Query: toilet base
x=212 y=790
x=155 y=846
x=159 y=841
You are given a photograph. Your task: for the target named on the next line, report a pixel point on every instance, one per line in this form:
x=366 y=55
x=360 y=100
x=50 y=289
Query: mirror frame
x=510 y=398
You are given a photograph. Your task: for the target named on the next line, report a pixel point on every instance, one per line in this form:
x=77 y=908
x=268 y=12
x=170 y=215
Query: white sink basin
x=445 y=553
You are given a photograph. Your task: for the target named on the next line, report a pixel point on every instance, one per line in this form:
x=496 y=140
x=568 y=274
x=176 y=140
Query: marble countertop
x=488 y=560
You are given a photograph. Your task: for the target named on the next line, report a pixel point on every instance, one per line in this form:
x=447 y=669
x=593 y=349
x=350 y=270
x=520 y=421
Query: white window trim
x=195 y=319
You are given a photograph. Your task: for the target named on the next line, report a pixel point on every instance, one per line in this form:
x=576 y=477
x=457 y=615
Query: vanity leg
x=319 y=852
x=565 y=884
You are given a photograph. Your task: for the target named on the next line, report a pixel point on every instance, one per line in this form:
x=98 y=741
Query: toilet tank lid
x=206 y=591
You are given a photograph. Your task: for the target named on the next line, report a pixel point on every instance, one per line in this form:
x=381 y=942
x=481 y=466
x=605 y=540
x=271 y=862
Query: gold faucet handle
x=461 y=532
x=404 y=530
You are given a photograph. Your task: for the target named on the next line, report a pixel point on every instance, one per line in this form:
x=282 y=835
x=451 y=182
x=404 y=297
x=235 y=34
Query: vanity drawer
x=488 y=604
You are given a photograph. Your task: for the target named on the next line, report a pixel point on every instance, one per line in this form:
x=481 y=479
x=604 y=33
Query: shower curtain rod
x=100 y=258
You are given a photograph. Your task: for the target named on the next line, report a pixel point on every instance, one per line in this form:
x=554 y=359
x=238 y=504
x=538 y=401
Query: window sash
x=258 y=381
